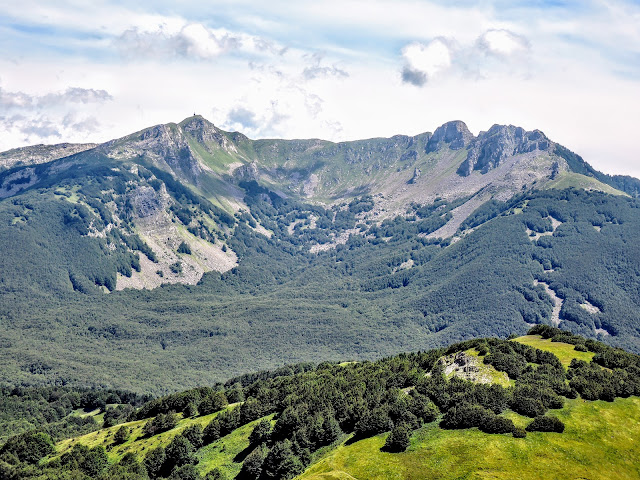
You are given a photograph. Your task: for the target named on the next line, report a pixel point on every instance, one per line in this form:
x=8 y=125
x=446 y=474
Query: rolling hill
x=546 y=405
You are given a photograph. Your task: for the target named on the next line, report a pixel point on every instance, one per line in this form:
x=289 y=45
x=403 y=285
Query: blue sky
x=91 y=71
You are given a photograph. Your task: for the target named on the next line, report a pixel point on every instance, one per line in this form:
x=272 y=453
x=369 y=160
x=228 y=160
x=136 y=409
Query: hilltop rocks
x=455 y=134
x=207 y=134
x=500 y=142
x=164 y=145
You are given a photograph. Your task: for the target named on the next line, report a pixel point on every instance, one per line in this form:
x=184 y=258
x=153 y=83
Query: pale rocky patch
x=557 y=302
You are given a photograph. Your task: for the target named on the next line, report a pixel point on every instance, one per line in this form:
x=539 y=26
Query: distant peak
x=454 y=133
x=195 y=121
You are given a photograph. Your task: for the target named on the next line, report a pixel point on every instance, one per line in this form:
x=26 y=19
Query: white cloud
x=193 y=40
x=503 y=43
x=318 y=70
x=571 y=69
x=423 y=62
x=24 y=101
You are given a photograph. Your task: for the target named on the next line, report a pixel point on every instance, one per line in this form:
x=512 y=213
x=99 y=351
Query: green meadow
x=599 y=442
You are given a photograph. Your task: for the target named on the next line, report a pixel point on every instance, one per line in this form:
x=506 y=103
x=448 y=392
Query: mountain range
x=184 y=253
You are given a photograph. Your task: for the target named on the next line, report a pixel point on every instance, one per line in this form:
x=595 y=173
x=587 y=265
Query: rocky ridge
x=37 y=154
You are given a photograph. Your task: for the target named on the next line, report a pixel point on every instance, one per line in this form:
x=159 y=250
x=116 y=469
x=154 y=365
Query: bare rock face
x=207 y=134
x=455 y=134
x=146 y=201
x=246 y=172
x=37 y=154
x=164 y=145
x=501 y=142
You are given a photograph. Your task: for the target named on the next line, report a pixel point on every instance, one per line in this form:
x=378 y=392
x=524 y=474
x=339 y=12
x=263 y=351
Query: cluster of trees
x=300 y=409
x=49 y=408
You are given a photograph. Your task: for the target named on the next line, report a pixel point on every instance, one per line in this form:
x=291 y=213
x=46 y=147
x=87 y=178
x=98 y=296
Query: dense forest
x=391 y=286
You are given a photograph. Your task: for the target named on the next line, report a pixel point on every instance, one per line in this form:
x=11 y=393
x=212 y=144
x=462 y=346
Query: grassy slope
x=577 y=180
x=564 y=351
x=137 y=443
x=598 y=440
x=227 y=452
x=220 y=454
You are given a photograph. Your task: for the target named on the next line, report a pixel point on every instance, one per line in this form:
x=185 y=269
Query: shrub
x=519 y=432
x=398 y=439
x=496 y=424
x=184 y=248
x=546 y=424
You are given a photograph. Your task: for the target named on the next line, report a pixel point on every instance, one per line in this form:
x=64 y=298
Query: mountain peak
x=195 y=122
x=489 y=148
x=454 y=133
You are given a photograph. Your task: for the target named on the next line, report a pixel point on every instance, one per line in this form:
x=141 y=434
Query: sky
x=80 y=71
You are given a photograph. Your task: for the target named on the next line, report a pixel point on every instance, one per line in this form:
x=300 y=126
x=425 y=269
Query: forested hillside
x=183 y=253
x=568 y=399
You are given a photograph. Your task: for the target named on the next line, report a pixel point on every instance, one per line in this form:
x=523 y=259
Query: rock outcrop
x=455 y=134
x=488 y=149
x=37 y=154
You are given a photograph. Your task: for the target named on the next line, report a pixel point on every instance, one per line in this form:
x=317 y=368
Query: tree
x=212 y=403
x=287 y=423
x=130 y=462
x=252 y=465
x=95 y=461
x=261 y=433
x=121 y=435
x=465 y=415
x=281 y=463
x=161 y=423
x=180 y=452
x=193 y=433
x=331 y=430
x=398 y=439
x=211 y=432
x=185 y=472
x=216 y=474
x=190 y=410
x=154 y=461
x=184 y=248
x=29 y=447
x=423 y=408
x=374 y=422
